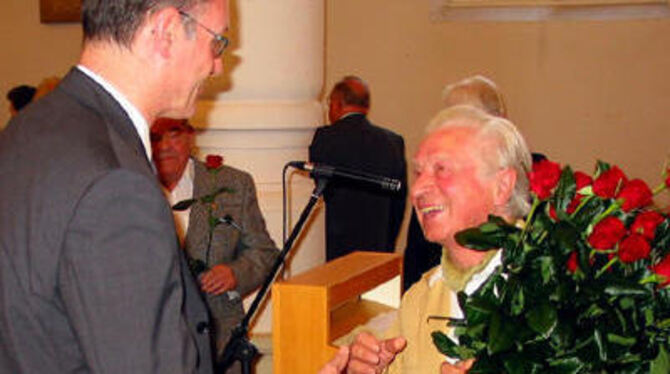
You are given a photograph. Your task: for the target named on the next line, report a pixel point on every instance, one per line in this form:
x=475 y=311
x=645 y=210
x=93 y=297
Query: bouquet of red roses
x=581 y=288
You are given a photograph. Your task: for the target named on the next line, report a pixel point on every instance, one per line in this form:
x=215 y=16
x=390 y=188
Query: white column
x=262 y=112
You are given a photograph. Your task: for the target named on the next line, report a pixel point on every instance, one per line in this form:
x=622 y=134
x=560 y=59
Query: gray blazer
x=91 y=278
x=250 y=252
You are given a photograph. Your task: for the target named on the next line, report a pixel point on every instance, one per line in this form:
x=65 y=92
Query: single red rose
x=572 y=262
x=608 y=182
x=544 y=178
x=607 y=233
x=645 y=224
x=663 y=269
x=635 y=194
x=582 y=180
x=213 y=162
x=634 y=247
x=667 y=177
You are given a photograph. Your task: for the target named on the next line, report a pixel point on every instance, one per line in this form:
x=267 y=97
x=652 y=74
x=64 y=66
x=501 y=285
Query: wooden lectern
x=314 y=308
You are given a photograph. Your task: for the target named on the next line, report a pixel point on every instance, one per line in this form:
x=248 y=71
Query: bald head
x=477 y=91
x=349 y=95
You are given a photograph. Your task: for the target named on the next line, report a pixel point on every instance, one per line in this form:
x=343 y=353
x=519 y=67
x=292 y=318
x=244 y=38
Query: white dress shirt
x=136 y=117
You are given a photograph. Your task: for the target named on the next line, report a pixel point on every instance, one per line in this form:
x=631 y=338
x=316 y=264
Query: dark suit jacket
x=249 y=252
x=91 y=279
x=420 y=254
x=358 y=217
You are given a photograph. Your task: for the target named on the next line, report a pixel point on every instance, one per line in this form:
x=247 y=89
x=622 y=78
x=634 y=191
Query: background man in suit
x=359 y=218
x=91 y=277
x=420 y=254
x=242 y=252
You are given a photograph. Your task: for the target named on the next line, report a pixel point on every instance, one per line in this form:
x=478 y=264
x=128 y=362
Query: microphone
x=228 y=220
x=325 y=171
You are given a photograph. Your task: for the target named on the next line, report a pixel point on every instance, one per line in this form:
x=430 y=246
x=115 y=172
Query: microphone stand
x=239 y=348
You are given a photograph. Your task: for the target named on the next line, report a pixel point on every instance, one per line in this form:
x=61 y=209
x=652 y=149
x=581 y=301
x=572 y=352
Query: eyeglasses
x=219 y=43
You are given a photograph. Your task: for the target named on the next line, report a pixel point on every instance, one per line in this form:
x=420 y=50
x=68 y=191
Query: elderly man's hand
x=460 y=367
x=338 y=363
x=218 y=280
x=371 y=356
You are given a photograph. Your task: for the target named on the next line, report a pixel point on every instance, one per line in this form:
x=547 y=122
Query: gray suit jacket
x=249 y=252
x=91 y=278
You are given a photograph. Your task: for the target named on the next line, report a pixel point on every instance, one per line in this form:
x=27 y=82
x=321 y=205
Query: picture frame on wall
x=52 y=11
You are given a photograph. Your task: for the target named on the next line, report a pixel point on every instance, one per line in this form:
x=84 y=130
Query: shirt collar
x=136 y=117
x=469 y=280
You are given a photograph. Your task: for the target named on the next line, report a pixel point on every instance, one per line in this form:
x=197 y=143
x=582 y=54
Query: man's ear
x=504 y=187
x=164 y=26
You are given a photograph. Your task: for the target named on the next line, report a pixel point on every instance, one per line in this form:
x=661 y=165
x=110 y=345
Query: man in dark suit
x=241 y=252
x=357 y=217
x=91 y=277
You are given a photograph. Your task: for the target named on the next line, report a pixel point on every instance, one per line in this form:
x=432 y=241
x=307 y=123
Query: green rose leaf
x=566 y=365
x=542 y=319
x=661 y=364
x=184 y=204
x=501 y=334
x=565 y=190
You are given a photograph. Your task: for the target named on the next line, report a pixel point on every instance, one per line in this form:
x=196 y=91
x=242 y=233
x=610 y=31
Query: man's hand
x=460 y=367
x=371 y=356
x=338 y=363
x=218 y=280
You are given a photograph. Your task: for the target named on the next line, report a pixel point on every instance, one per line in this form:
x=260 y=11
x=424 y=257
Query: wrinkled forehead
x=455 y=144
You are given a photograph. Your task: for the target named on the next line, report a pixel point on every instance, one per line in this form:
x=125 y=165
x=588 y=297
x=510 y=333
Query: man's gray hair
x=118 y=20
x=512 y=151
x=478 y=91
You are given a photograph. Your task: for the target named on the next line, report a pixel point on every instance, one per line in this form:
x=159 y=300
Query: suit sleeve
x=119 y=279
x=256 y=250
x=316 y=148
x=399 y=199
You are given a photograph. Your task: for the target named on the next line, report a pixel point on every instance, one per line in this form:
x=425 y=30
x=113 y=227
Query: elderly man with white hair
x=469 y=165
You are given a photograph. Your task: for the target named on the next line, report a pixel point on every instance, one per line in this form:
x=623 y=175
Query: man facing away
x=91 y=277
x=359 y=217
x=480 y=92
x=469 y=165
x=242 y=252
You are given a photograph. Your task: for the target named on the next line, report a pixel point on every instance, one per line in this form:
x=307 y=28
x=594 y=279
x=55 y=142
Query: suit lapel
x=91 y=95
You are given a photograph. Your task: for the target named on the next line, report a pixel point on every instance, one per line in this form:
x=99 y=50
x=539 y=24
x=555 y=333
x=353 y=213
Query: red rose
x=635 y=194
x=645 y=224
x=572 y=262
x=213 y=162
x=607 y=183
x=663 y=269
x=667 y=177
x=552 y=212
x=634 y=247
x=581 y=180
x=607 y=233
x=544 y=178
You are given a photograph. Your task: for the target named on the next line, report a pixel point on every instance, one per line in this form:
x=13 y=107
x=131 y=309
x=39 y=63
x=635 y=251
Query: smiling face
x=454 y=187
x=194 y=61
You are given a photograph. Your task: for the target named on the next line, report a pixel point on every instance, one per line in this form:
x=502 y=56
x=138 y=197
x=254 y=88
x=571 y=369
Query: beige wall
x=30 y=50
x=578 y=90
